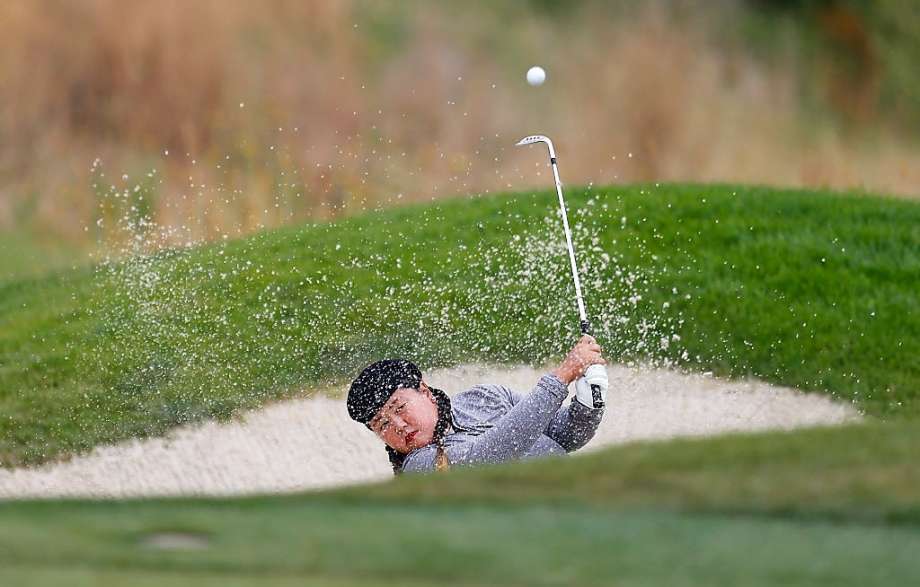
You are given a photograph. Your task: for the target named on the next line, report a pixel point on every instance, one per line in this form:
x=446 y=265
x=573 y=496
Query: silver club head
x=538 y=139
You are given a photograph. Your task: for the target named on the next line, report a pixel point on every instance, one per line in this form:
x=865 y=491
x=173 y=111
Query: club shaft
x=568 y=239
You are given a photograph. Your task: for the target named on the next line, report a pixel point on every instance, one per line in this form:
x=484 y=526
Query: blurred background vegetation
x=219 y=117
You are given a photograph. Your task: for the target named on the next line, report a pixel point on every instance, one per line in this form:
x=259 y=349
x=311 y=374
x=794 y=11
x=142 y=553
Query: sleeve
x=510 y=437
x=573 y=426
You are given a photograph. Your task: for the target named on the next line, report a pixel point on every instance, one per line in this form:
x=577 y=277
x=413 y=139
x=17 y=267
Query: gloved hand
x=591 y=389
x=585 y=365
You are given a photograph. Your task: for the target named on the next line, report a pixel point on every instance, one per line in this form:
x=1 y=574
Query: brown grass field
x=222 y=117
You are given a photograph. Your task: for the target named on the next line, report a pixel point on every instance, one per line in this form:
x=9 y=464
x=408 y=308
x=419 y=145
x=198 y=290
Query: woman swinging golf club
x=425 y=430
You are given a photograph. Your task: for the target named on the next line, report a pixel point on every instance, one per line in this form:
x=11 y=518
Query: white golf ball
x=536 y=76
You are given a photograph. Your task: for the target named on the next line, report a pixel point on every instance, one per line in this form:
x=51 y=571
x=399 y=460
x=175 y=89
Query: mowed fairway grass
x=827 y=506
x=813 y=290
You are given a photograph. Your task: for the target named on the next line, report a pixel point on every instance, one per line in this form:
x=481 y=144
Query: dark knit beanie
x=376 y=384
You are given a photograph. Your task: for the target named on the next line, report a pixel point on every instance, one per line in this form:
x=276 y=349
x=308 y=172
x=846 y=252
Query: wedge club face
x=533 y=139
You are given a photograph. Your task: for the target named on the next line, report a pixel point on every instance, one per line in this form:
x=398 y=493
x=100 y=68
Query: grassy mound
x=813 y=290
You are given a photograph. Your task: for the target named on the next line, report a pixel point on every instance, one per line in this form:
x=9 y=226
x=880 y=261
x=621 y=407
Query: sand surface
x=312 y=443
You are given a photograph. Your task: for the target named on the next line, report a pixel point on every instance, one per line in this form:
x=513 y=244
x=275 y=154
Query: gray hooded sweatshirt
x=492 y=424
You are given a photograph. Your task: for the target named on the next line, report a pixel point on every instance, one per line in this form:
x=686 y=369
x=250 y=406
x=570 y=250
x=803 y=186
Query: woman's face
x=408 y=419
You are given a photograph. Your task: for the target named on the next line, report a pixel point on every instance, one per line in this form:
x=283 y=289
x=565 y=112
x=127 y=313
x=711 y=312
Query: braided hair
x=440 y=431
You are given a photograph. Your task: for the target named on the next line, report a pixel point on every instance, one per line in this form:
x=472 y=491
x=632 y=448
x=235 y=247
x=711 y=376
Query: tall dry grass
x=223 y=116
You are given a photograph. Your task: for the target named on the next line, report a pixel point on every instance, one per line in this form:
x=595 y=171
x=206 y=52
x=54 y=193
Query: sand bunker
x=312 y=443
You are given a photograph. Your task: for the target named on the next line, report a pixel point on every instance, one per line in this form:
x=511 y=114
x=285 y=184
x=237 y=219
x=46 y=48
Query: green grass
x=468 y=545
x=24 y=254
x=813 y=290
x=826 y=506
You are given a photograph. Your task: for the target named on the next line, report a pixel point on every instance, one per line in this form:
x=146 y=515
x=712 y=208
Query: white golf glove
x=591 y=388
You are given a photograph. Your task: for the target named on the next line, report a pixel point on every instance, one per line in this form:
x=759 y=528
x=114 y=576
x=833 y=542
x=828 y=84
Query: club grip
x=586 y=327
x=596 y=394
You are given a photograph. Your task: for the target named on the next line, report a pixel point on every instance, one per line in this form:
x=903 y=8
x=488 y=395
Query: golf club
x=591 y=388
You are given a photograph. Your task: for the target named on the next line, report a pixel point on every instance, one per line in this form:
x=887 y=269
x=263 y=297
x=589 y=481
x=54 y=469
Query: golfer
x=425 y=430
